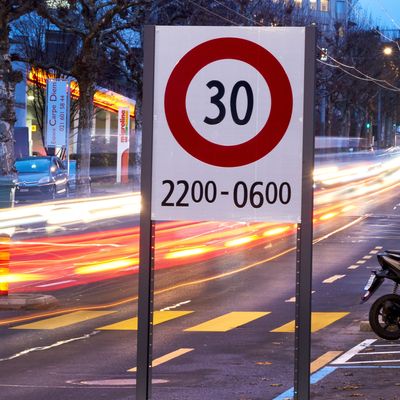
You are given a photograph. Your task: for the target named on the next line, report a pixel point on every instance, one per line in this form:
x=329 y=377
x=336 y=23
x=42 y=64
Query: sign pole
x=305 y=231
x=67 y=124
x=146 y=252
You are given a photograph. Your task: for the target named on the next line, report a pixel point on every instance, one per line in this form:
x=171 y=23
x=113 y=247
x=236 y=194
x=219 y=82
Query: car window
x=31 y=166
x=60 y=165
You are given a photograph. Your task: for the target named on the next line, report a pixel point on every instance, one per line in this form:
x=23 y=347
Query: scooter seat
x=396 y=252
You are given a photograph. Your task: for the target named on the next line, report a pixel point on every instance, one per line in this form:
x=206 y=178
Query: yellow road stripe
x=353 y=267
x=227 y=322
x=333 y=278
x=323 y=360
x=319 y=320
x=64 y=320
x=167 y=357
x=131 y=324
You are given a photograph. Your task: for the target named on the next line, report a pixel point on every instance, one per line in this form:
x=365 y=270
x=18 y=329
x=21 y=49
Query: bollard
x=4 y=263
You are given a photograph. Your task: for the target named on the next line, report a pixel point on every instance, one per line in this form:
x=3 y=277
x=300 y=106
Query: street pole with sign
x=228 y=134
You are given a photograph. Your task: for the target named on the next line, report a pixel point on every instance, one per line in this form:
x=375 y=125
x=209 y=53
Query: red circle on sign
x=269 y=135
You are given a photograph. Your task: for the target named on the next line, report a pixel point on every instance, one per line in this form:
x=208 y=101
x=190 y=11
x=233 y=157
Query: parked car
x=40 y=177
x=72 y=174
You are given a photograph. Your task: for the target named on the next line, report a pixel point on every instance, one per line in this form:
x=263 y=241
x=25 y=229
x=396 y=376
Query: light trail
x=83 y=258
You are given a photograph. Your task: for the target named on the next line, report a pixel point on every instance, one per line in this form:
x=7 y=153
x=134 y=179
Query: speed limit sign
x=228 y=123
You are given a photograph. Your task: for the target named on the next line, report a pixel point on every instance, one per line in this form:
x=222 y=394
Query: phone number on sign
x=258 y=194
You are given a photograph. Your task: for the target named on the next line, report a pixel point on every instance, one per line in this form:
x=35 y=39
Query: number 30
x=216 y=99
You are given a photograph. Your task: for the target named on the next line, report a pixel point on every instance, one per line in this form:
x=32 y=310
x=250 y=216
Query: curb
x=365 y=326
x=27 y=302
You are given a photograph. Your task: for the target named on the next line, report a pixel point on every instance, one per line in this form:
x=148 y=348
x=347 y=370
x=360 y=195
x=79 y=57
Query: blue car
x=40 y=177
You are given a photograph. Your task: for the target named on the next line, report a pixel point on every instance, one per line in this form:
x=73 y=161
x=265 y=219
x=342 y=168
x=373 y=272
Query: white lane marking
x=367 y=257
x=374 y=251
x=293 y=299
x=344 y=358
x=353 y=267
x=115 y=382
x=371 y=362
x=57 y=344
x=361 y=262
x=56 y=283
x=333 y=278
x=378 y=352
x=176 y=305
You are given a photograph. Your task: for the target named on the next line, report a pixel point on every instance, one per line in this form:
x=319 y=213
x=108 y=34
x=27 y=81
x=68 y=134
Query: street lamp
x=387 y=50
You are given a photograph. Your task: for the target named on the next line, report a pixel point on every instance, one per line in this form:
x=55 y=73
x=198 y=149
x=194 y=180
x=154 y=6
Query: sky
x=384 y=13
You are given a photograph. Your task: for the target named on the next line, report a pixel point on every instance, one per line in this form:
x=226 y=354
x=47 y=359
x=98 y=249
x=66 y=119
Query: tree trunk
x=8 y=80
x=86 y=113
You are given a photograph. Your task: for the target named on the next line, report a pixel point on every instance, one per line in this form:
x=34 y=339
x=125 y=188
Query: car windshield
x=29 y=166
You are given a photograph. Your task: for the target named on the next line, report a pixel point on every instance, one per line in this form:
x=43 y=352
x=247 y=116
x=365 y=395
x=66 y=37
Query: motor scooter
x=384 y=314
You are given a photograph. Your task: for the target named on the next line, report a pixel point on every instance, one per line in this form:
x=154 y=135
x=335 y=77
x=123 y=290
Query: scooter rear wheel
x=384 y=317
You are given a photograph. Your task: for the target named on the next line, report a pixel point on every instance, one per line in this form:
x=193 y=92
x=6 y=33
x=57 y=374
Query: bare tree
x=42 y=48
x=10 y=11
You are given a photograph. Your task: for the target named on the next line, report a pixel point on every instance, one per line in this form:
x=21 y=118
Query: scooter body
x=384 y=315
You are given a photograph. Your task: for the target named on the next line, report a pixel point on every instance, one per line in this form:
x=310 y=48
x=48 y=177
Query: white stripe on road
x=371 y=362
x=293 y=299
x=343 y=359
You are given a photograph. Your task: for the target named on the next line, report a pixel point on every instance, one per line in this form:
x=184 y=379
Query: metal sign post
x=146 y=256
x=305 y=231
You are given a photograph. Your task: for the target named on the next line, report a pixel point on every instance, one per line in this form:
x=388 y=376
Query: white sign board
x=57 y=112
x=228 y=123
x=123 y=142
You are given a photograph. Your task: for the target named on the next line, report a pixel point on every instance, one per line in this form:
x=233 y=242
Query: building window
x=325 y=5
x=298 y=3
x=313 y=4
x=340 y=9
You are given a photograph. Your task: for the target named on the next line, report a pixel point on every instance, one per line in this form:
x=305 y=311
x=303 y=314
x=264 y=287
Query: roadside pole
x=4 y=263
x=305 y=230
x=146 y=256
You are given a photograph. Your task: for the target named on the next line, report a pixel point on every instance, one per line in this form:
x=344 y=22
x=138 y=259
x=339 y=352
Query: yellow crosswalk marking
x=323 y=360
x=319 y=320
x=334 y=278
x=167 y=357
x=131 y=324
x=227 y=322
x=64 y=320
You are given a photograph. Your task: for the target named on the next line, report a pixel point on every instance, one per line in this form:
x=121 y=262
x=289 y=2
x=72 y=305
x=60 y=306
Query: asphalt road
x=223 y=328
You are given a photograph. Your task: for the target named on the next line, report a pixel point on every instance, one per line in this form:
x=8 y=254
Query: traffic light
x=368 y=125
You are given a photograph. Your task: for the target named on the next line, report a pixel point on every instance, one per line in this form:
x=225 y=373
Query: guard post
x=4 y=263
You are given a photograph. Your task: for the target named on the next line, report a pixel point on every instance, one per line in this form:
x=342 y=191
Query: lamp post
x=387 y=51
